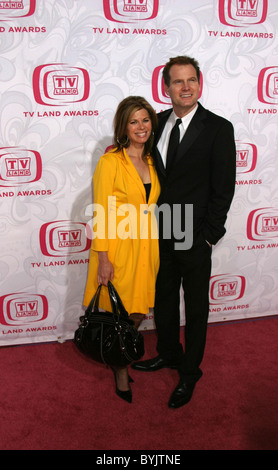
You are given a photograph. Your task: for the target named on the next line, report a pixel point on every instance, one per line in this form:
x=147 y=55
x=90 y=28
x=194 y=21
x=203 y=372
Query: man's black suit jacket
x=203 y=173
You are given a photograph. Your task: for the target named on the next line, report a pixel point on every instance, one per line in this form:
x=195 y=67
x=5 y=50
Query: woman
x=124 y=247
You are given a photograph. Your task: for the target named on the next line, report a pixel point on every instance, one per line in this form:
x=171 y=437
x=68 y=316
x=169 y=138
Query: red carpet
x=53 y=398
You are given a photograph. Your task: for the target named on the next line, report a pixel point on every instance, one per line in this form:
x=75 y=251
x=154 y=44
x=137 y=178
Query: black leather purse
x=109 y=337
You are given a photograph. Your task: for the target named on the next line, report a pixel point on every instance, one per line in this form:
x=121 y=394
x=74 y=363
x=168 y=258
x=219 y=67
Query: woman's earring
x=122 y=144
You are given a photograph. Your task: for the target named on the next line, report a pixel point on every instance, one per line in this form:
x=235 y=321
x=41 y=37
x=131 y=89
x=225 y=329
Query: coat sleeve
x=103 y=184
x=222 y=182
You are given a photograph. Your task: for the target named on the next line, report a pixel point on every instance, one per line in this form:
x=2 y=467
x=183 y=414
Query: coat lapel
x=155 y=185
x=133 y=173
x=130 y=168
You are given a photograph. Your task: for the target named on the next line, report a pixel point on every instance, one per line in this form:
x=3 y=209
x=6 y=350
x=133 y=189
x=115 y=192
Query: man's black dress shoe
x=181 y=395
x=150 y=365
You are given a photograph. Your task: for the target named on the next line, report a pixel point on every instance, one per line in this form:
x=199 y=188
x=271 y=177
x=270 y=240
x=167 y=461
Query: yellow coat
x=132 y=241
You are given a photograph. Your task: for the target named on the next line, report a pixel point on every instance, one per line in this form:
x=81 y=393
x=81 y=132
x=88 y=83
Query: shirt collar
x=186 y=119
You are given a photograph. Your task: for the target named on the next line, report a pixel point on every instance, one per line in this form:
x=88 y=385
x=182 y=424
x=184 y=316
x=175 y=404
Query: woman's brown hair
x=125 y=109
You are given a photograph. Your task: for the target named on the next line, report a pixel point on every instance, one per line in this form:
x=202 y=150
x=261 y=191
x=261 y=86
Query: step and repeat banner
x=64 y=67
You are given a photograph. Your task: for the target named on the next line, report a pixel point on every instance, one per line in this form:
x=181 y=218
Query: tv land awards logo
x=60 y=84
x=246 y=157
x=19 y=166
x=10 y=5
x=158 y=89
x=19 y=309
x=128 y=11
x=268 y=85
x=16 y=9
x=226 y=288
x=246 y=162
x=136 y=5
x=262 y=224
x=64 y=238
x=267 y=91
x=241 y=13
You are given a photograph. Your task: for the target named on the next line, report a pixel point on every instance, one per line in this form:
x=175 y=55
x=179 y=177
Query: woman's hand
x=105 y=269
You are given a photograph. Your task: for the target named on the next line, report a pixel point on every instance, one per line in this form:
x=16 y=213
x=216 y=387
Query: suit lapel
x=162 y=119
x=195 y=127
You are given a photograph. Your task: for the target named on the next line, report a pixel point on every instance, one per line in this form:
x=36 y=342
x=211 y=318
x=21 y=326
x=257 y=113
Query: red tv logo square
x=268 y=85
x=262 y=224
x=16 y=9
x=226 y=288
x=246 y=157
x=129 y=11
x=19 y=166
x=158 y=88
x=242 y=12
x=64 y=238
x=21 y=308
x=60 y=84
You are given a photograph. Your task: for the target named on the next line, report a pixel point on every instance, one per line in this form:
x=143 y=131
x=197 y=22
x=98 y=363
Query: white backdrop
x=64 y=67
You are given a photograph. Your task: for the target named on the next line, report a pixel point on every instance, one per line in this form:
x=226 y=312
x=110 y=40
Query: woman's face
x=139 y=127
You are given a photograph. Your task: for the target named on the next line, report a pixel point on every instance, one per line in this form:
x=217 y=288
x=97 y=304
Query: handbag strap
x=115 y=300
x=93 y=305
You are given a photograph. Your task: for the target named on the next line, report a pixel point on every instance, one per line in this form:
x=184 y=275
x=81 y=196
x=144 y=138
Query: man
x=201 y=174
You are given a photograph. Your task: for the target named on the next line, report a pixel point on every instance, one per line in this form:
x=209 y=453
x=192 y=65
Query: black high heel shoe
x=124 y=394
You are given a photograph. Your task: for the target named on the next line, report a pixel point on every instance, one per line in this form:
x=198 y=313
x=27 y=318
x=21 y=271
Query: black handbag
x=109 y=337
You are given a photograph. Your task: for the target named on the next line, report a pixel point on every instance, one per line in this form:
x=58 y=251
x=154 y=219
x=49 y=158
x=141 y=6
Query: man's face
x=184 y=88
